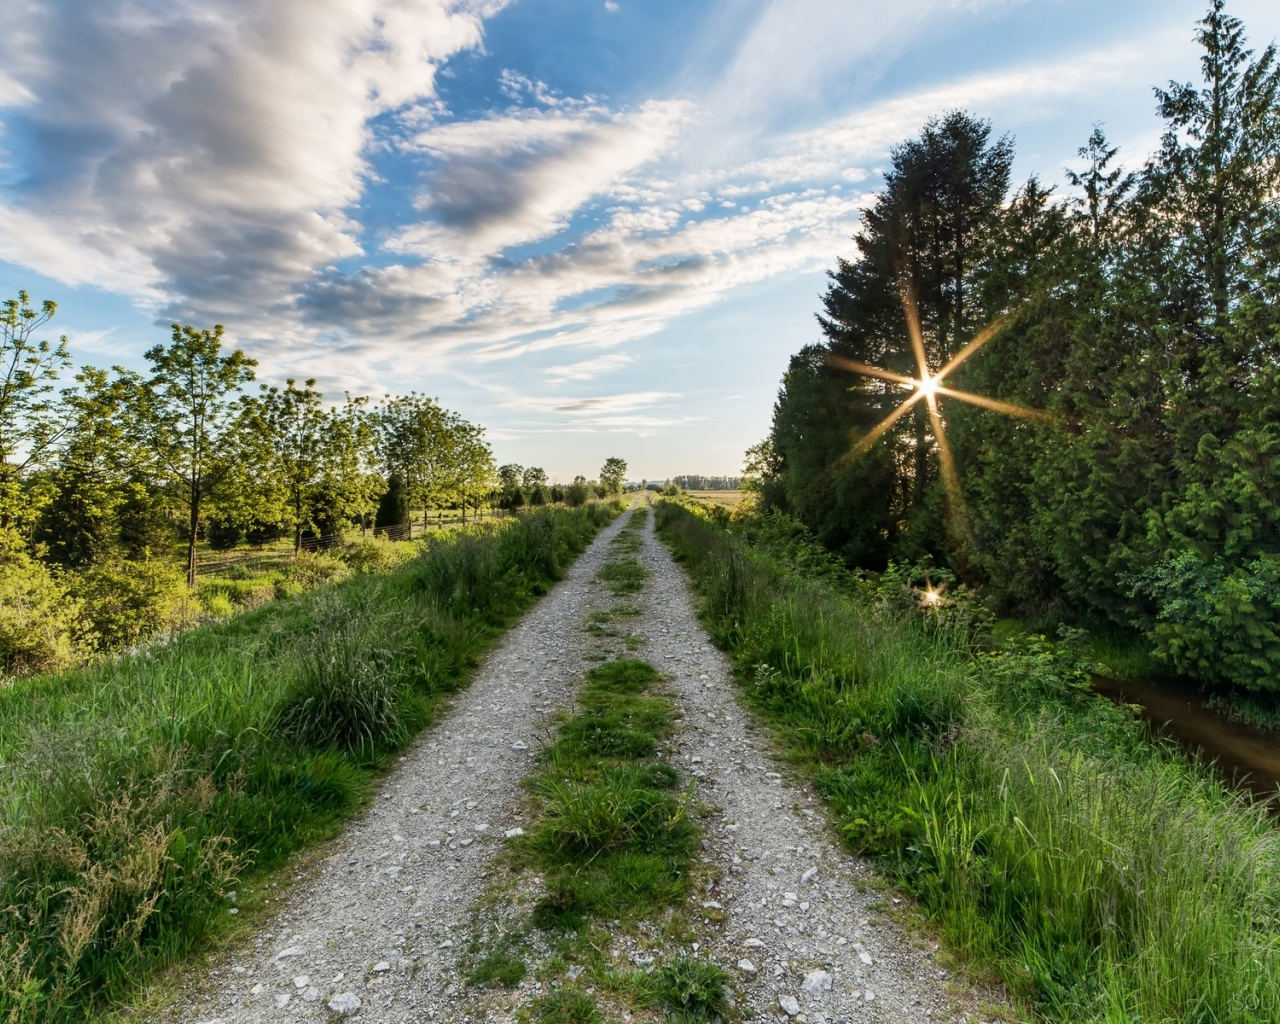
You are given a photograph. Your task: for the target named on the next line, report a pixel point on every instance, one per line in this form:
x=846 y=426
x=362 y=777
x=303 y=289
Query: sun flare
x=928 y=385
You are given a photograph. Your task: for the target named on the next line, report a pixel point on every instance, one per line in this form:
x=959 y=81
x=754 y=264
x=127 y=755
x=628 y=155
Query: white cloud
x=588 y=369
x=209 y=154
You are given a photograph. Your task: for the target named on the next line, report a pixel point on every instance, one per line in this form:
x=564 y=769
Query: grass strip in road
x=615 y=845
x=135 y=793
x=1097 y=872
x=625 y=575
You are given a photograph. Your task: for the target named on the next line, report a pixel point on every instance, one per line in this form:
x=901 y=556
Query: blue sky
x=598 y=228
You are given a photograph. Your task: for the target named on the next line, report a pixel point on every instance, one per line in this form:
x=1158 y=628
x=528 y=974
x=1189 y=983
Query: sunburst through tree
x=930 y=387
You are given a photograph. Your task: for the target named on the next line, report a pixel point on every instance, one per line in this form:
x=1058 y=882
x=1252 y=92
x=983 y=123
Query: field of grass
x=1094 y=870
x=729 y=499
x=134 y=793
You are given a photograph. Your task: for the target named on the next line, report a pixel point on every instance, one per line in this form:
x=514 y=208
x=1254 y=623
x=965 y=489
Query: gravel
x=377 y=933
x=793 y=899
x=375 y=930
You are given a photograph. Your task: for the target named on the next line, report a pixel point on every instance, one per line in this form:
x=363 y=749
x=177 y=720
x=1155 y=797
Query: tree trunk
x=195 y=529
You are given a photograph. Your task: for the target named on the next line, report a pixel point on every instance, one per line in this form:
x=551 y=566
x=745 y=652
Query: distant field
x=727 y=498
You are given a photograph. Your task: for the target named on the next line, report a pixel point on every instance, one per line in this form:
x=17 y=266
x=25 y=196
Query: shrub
x=39 y=616
x=127 y=602
x=223 y=535
x=1215 y=622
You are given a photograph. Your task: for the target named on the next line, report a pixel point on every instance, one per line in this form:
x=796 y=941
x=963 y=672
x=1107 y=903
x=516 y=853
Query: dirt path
x=379 y=923
x=800 y=925
x=379 y=931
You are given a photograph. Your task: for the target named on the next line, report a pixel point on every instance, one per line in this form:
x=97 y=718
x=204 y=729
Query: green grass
x=567 y=1006
x=1097 y=872
x=135 y=792
x=615 y=839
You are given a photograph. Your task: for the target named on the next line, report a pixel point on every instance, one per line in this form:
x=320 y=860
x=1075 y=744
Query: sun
x=929 y=386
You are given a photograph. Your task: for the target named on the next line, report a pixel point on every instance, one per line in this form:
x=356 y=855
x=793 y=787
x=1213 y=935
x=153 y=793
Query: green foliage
x=39 y=617
x=128 y=602
x=499 y=968
x=1101 y=875
x=1142 y=316
x=692 y=990
x=612 y=474
x=1217 y=622
x=137 y=788
x=567 y=1005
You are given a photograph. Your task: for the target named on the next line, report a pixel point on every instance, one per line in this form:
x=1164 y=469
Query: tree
x=189 y=410
x=30 y=420
x=612 y=474
x=510 y=476
x=413 y=443
x=533 y=476
x=474 y=463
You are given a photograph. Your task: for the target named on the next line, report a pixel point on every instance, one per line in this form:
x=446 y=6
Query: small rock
x=754 y=944
x=789 y=899
x=746 y=966
x=345 y=1003
x=519 y=745
x=815 y=984
x=256 y=990
x=291 y=951
x=511 y=833
x=301 y=981
x=712 y=905
x=483 y=827
x=393 y=870
x=790 y=1005
x=869 y=996
x=865 y=958
x=447 y=944
x=381 y=967
x=466 y=842
x=804 y=904
x=772 y=775
x=311 y=994
x=808 y=876
x=695 y=760
x=282 y=1000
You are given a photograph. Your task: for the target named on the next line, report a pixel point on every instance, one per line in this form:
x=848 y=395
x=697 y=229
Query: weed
x=693 y=990
x=499 y=968
x=615 y=838
x=567 y=1006
x=625 y=576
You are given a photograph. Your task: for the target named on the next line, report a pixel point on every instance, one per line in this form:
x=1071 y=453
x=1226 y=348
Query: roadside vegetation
x=1097 y=872
x=138 y=793
x=1118 y=469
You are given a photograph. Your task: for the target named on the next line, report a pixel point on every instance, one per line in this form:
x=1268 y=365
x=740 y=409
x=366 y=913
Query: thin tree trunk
x=195 y=529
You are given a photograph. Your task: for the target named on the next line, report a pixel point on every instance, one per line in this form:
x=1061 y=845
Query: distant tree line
x=1141 y=316
x=707 y=483
x=109 y=485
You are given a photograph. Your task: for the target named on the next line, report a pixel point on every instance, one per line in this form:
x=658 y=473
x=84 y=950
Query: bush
x=1214 y=622
x=373 y=554
x=223 y=536
x=127 y=602
x=39 y=616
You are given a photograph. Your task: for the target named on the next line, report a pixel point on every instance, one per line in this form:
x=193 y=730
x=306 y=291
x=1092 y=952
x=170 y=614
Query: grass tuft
x=692 y=990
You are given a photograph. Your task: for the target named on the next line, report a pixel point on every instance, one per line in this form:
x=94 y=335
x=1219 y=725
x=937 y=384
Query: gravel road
x=801 y=932
x=378 y=931
x=381 y=921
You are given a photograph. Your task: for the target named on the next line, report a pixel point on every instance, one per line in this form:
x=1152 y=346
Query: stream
x=1249 y=757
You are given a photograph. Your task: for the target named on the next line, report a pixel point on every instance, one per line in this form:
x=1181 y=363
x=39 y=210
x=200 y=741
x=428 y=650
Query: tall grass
x=1101 y=875
x=134 y=792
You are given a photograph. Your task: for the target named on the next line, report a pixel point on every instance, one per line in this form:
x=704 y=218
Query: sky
x=597 y=227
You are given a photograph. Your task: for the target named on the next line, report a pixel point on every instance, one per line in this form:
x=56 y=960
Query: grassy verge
x=136 y=791
x=1100 y=875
